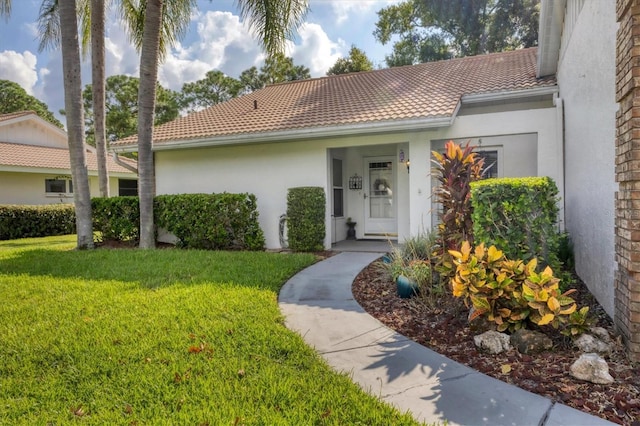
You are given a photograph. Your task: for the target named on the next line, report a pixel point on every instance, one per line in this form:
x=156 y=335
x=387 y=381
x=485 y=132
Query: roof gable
x=428 y=91
x=27 y=127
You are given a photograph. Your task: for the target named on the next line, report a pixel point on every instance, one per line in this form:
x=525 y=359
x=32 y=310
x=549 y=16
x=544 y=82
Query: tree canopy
x=13 y=98
x=355 y=62
x=431 y=30
x=122 y=107
x=215 y=88
x=277 y=68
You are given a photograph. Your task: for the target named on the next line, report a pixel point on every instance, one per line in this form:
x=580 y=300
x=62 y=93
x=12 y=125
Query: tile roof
x=11 y=115
x=426 y=91
x=19 y=155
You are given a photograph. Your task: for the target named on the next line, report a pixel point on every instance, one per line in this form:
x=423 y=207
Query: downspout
x=127 y=166
x=558 y=102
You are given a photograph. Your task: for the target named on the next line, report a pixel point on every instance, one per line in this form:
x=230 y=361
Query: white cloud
x=20 y=68
x=316 y=50
x=344 y=8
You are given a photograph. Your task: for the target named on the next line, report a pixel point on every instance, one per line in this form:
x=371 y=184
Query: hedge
x=306 y=208
x=116 y=218
x=519 y=216
x=211 y=221
x=21 y=221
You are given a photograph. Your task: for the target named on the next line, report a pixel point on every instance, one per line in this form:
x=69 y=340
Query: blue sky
x=216 y=39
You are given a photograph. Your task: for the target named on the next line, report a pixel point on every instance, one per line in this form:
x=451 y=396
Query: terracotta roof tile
x=424 y=91
x=11 y=115
x=19 y=155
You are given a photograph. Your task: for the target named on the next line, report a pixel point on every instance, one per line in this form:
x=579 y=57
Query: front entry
x=380 y=209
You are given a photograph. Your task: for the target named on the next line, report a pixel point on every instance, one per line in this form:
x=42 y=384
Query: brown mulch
x=444 y=328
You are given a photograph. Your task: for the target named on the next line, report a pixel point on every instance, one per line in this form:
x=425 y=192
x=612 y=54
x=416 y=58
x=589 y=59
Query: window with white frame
x=58 y=185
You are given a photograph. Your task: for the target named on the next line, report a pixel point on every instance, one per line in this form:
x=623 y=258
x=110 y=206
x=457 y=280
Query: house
x=365 y=138
x=35 y=166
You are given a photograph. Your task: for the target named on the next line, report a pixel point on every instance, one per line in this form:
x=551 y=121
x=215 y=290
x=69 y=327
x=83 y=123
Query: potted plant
x=351 y=232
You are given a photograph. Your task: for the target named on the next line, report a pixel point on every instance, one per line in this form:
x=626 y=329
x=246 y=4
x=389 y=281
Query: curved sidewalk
x=319 y=305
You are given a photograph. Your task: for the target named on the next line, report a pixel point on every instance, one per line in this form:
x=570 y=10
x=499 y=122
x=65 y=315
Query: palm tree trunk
x=98 y=89
x=75 y=121
x=149 y=58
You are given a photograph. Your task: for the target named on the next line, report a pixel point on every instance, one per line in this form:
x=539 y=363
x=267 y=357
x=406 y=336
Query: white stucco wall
x=268 y=170
x=29 y=188
x=33 y=131
x=586 y=76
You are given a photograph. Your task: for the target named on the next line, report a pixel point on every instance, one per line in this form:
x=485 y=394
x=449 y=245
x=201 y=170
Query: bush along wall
x=306 y=207
x=519 y=216
x=116 y=218
x=211 y=221
x=18 y=221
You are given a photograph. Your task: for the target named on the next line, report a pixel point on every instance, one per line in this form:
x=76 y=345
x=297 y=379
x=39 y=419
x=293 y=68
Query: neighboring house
x=35 y=166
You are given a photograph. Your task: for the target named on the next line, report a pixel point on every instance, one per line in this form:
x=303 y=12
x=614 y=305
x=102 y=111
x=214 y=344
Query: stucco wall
x=586 y=76
x=29 y=188
x=268 y=170
x=33 y=132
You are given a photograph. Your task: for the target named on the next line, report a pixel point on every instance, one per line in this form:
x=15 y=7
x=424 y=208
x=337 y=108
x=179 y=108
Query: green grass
x=160 y=337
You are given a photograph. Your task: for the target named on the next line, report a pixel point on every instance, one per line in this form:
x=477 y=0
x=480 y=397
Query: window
x=127 y=187
x=490 y=163
x=338 y=190
x=58 y=186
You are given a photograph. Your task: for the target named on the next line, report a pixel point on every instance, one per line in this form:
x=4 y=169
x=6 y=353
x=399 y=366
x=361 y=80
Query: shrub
x=518 y=215
x=211 y=221
x=20 y=221
x=306 y=208
x=511 y=293
x=116 y=218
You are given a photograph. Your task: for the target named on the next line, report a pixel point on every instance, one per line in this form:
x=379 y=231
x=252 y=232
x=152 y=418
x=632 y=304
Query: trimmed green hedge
x=518 y=216
x=305 y=218
x=20 y=221
x=116 y=218
x=211 y=221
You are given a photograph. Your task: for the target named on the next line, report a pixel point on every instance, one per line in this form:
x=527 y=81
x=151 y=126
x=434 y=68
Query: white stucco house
x=35 y=166
x=365 y=138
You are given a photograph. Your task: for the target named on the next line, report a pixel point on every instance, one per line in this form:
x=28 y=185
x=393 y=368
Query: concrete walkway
x=318 y=304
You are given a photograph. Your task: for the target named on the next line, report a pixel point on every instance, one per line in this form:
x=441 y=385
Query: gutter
x=306 y=133
x=505 y=96
x=121 y=163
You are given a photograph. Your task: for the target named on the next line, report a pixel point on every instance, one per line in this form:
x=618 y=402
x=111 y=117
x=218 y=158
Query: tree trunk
x=98 y=89
x=75 y=121
x=149 y=58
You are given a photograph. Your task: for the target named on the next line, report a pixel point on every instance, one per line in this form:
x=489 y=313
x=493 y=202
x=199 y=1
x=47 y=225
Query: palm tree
x=75 y=121
x=273 y=22
x=98 y=81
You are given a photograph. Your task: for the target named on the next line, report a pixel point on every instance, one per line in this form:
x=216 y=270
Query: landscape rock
x=530 y=342
x=589 y=343
x=590 y=367
x=492 y=342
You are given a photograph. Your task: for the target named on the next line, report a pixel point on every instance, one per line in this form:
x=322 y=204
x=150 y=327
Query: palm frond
x=48 y=25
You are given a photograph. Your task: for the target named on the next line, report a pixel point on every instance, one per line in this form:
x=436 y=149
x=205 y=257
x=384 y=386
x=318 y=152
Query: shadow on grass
x=157 y=268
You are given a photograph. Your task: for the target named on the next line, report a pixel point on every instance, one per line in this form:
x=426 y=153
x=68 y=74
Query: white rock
x=590 y=344
x=492 y=342
x=592 y=368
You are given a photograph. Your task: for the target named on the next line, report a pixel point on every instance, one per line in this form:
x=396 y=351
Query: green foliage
x=356 y=61
x=454 y=170
x=116 y=218
x=431 y=30
x=518 y=215
x=13 y=98
x=18 y=221
x=121 y=107
x=211 y=221
x=306 y=207
x=215 y=88
x=511 y=293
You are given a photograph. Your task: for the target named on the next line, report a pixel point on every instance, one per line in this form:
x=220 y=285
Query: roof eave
x=549 y=36
x=303 y=133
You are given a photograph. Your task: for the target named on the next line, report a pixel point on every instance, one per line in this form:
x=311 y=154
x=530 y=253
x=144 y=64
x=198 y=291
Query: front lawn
x=160 y=337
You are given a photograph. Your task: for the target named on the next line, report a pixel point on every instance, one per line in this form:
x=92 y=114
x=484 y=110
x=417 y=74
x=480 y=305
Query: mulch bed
x=444 y=328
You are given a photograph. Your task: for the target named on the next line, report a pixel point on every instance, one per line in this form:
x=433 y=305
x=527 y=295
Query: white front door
x=380 y=198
